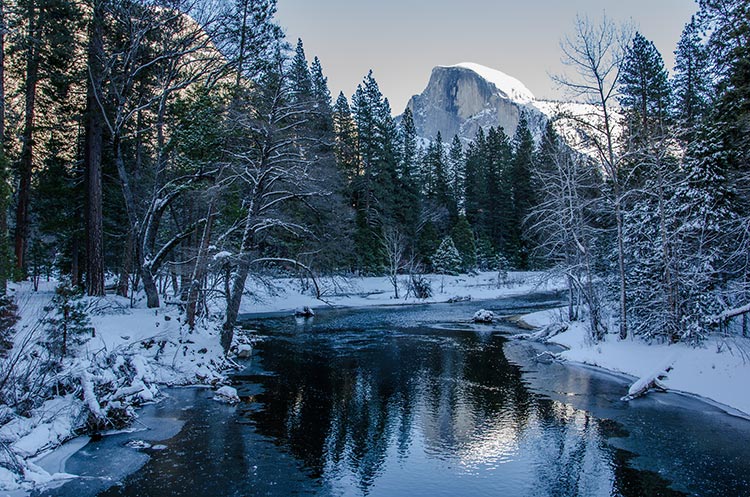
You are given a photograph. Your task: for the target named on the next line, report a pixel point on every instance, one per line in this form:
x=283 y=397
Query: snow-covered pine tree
x=447 y=260
x=456 y=174
x=652 y=175
x=486 y=255
x=704 y=208
x=67 y=324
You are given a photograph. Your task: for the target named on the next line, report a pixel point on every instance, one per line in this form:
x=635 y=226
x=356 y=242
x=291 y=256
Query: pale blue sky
x=402 y=40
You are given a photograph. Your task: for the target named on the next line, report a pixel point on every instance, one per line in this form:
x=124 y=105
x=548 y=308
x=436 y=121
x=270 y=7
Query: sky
x=402 y=40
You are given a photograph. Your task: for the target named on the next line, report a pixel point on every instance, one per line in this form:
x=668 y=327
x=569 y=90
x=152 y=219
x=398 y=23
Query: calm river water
x=414 y=401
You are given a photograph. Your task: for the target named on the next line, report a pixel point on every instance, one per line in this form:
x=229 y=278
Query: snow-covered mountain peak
x=510 y=86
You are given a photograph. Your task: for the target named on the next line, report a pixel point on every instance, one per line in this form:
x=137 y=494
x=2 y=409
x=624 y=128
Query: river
x=416 y=401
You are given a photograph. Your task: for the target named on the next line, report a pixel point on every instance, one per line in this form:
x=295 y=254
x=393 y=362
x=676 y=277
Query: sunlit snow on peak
x=513 y=88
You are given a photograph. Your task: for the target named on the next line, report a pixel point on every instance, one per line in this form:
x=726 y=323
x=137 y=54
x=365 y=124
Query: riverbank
x=129 y=354
x=288 y=294
x=717 y=371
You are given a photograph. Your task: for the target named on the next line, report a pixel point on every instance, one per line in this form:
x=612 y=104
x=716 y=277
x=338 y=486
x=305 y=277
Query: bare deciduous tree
x=595 y=54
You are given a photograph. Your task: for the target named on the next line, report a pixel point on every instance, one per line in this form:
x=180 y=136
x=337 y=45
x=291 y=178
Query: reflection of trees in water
x=340 y=409
x=341 y=401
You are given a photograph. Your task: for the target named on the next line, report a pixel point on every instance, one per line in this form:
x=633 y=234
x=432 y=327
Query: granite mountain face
x=460 y=99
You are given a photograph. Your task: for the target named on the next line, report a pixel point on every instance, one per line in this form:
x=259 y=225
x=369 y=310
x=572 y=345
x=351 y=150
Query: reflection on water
x=381 y=402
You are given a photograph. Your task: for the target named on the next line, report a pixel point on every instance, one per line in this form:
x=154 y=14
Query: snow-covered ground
x=717 y=371
x=287 y=294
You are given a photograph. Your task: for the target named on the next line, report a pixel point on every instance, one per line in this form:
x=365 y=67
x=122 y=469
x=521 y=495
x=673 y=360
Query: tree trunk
x=93 y=161
x=74 y=263
x=201 y=261
x=123 y=282
x=27 y=144
x=4 y=254
x=234 y=297
x=621 y=267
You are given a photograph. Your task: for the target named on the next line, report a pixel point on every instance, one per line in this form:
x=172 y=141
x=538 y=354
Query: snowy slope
x=512 y=88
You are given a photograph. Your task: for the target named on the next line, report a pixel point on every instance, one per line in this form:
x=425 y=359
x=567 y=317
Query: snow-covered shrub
x=420 y=287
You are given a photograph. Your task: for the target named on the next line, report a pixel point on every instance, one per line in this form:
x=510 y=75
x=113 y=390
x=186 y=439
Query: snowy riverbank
x=717 y=371
x=287 y=294
x=133 y=351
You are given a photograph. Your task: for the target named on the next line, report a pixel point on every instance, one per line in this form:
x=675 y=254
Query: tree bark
x=27 y=144
x=93 y=160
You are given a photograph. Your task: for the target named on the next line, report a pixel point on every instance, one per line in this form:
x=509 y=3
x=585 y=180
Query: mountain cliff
x=460 y=99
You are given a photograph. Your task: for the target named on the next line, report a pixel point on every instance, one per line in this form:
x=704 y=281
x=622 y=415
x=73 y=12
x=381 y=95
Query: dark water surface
x=414 y=401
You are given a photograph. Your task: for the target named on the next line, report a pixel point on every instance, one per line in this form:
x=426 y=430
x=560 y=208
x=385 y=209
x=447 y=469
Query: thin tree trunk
x=4 y=254
x=74 y=263
x=27 y=144
x=123 y=282
x=621 y=267
x=234 y=297
x=93 y=161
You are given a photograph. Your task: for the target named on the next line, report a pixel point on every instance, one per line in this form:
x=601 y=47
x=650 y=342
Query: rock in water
x=483 y=316
x=244 y=351
x=227 y=395
x=305 y=312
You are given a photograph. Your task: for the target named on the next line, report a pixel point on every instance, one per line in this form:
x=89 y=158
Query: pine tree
x=8 y=318
x=645 y=94
x=346 y=146
x=407 y=201
x=68 y=324
x=523 y=192
x=446 y=259
x=487 y=259
x=374 y=187
x=463 y=238
x=299 y=74
x=704 y=206
x=691 y=82
x=474 y=182
x=435 y=176
x=456 y=174
x=498 y=220
x=648 y=228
